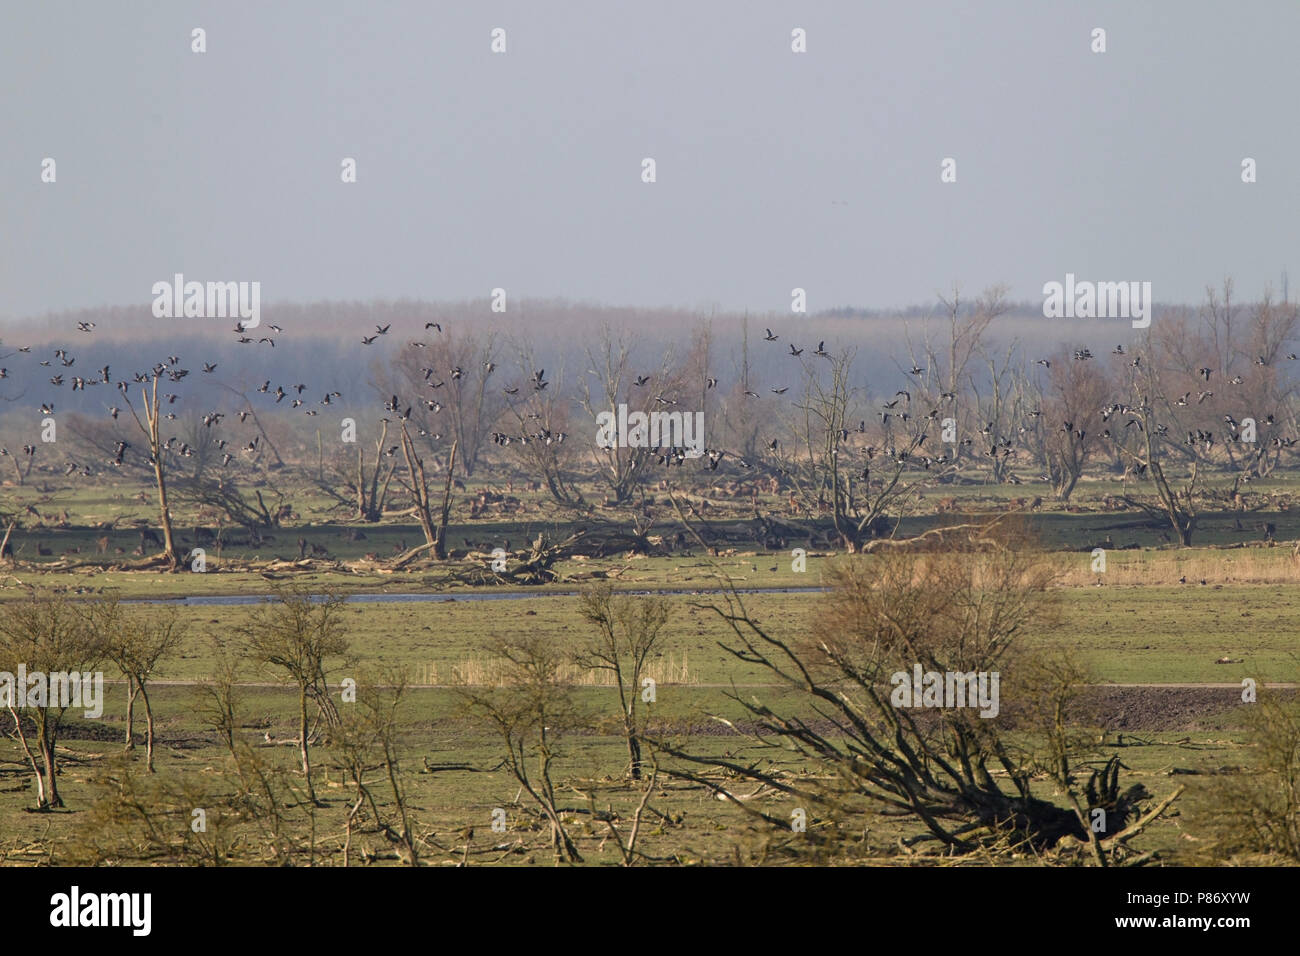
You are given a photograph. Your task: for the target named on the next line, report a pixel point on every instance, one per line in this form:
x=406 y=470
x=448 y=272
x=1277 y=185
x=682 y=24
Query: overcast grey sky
x=523 y=170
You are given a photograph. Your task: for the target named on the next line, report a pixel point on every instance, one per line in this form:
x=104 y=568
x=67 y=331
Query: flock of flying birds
x=435 y=379
x=169 y=371
x=1205 y=438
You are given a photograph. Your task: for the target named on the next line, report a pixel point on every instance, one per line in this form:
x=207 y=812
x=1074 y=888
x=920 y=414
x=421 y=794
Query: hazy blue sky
x=522 y=170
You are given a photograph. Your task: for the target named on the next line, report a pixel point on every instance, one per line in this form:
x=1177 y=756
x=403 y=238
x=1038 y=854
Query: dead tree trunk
x=148 y=728
x=371 y=495
x=440 y=538
x=150 y=428
x=5 y=550
x=132 y=690
x=419 y=488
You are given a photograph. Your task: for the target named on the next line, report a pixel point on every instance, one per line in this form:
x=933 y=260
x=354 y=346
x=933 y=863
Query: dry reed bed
x=489 y=671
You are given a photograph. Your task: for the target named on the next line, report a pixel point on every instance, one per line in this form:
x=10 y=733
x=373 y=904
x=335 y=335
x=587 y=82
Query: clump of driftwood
x=536 y=565
x=530 y=566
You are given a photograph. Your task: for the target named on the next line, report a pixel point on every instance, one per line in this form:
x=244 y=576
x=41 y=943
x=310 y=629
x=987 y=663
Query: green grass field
x=1134 y=624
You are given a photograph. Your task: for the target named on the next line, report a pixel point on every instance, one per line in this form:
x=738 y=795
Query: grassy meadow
x=1166 y=636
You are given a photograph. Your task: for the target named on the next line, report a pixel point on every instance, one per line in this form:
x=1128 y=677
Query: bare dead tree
x=622 y=469
x=1177 y=506
x=435 y=529
x=457 y=399
x=1247 y=815
x=137 y=645
x=48 y=636
x=836 y=471
x=418 y=486
x=366 y=751
x=255 y=811
x=366 y=492
x=529 y=710
x=300 y=636
x=149 y=428
x=741 y=413
x=1000 y=410
x=627 y=633
x=539 y=422
x=943 y=359
x=250 y=410
x=625 y=840
x=955 y=609
x=1074 y=419
x=5 y=550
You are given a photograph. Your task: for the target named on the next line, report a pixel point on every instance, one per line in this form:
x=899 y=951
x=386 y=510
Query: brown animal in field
x=947 y=504
x=317 y=550
x=101 y=545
